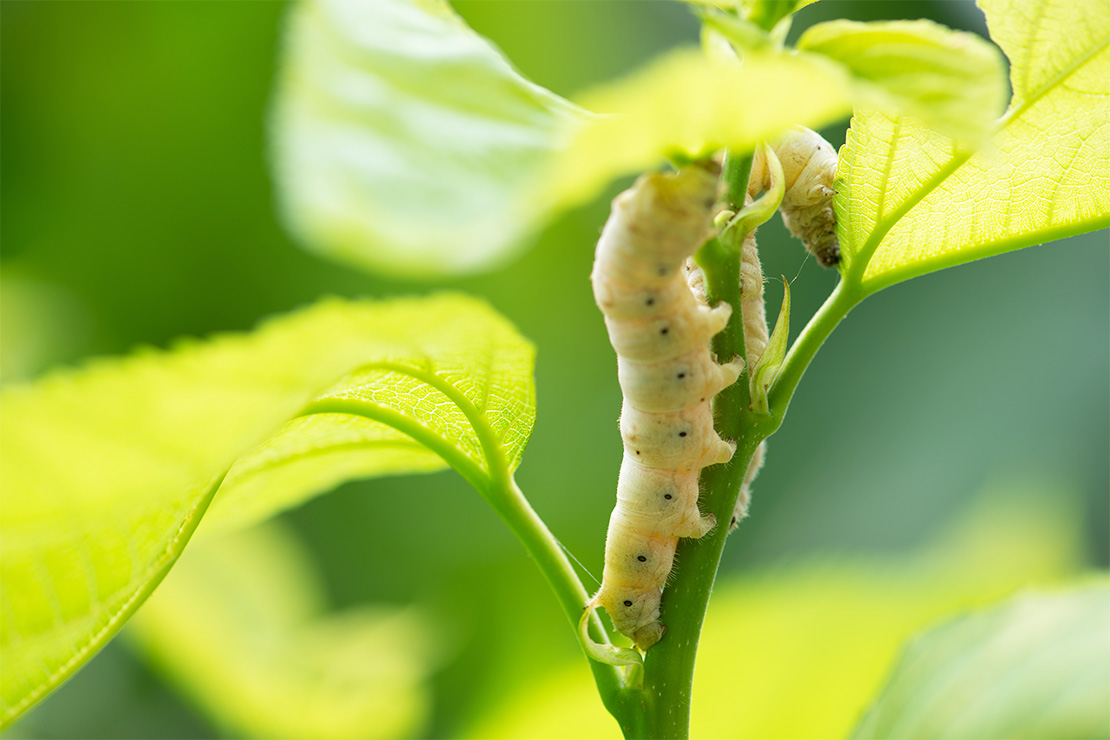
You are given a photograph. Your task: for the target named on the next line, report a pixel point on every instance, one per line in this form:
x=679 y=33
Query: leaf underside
x=1037 y=667
x=911 y=201
x=688 y=105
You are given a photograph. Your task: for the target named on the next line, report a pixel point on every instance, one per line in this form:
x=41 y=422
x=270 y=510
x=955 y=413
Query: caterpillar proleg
x=754 y=317
x=661 y=334
x=809 y=169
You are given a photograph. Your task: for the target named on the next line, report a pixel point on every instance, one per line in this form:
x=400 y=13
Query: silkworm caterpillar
x=809 y=169
x=661 y=335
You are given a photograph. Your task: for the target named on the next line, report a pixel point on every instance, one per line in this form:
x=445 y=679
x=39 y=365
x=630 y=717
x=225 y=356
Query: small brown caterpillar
x=809 y=170
x=661 y=334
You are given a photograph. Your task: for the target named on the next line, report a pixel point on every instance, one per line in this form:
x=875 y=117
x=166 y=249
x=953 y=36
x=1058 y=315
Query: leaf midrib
x=147 y=581
x=1030 y=101
x=486 y=481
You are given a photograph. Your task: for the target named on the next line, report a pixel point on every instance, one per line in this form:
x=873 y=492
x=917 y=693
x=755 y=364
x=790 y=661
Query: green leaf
x=767 y=369
x=687 y=105
x=1037 y=667
x=240 y=626
x=404 y=141
x=107 y=470
x=953 y=81
x=911 y=201
x=741 y=33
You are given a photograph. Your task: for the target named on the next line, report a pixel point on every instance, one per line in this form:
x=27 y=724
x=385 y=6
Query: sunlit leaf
x=953 y=81
x=687 y=105
x=917 y=203
x=405 y=142
x=108 y=469
x=241 y=628
x=1036 y=667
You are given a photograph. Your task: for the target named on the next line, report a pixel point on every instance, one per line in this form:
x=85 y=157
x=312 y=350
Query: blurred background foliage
x=137 y=207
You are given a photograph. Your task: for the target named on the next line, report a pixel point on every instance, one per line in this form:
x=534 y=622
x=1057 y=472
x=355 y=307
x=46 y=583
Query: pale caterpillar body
x=809 y=172
x=661 y=334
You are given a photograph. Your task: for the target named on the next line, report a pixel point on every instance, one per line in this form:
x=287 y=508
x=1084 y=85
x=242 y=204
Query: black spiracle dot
x=663 y=271
x=627 y=602
x=664 y=330
x=682 y=434
x=649 y=302
x=668 y=496
x=681 y=376
x=637 y=452
x=641 y=558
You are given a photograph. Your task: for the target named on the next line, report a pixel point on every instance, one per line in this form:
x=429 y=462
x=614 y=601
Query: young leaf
x=404 y=141
x=953 y=81
x=1037 y=667
x=911 y=201
x=107 y=470
x=767 y=370
x=240 y=627
x=687 y=105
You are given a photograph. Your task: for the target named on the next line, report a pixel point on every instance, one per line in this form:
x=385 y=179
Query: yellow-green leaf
x=108 y=469
x=910 y=201
x=688 y=105
x=953 y=81
x=738 y=32
x=1035 y=667
x=404 y=141
x=241 y=628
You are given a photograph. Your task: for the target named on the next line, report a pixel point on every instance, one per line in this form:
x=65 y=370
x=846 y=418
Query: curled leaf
x=767 y=370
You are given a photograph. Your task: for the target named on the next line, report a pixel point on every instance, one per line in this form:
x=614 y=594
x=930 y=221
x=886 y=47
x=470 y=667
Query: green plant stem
x=499 y=489
x=669 y=665
x=767 y=13
x=736 y=171
x=514 y=509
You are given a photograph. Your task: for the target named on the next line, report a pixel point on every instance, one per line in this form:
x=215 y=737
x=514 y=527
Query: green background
x=138 y=207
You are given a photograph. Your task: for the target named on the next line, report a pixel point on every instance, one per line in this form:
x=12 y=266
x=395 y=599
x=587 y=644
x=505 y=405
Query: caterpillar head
x=809 y=166
x=635 y=613
x=818 y=234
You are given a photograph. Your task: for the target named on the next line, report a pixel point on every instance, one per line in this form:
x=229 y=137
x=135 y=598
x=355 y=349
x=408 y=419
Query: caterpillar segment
x=756 y=335
x=661 y=334
x=752 y=307
x=809 y=169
